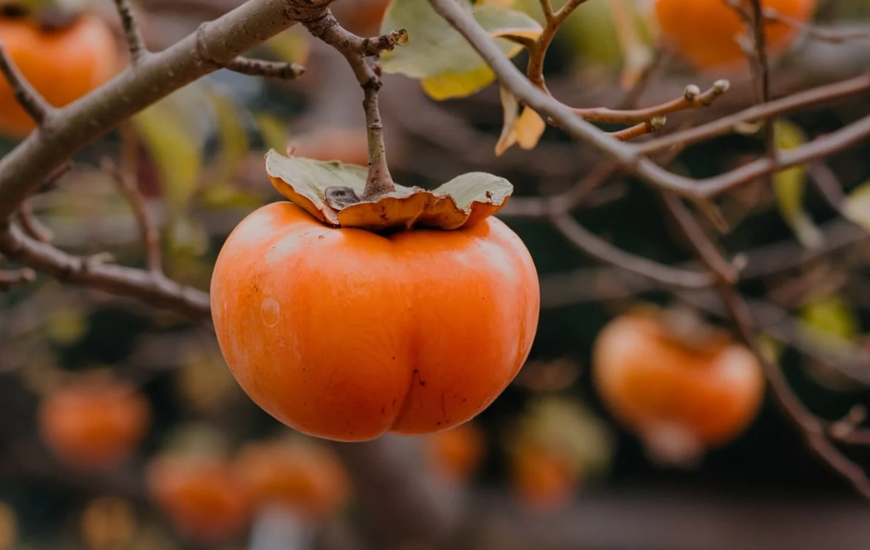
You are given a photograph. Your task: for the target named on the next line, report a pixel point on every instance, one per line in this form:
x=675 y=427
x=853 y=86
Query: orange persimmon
x=95 y=424
x=347 y=334
x=304 y=478
x=61 y=64
x=700 y=393
x=201 y=496
x=704 y=32
x=347 y=145
x=456 y=453
x=542 y=479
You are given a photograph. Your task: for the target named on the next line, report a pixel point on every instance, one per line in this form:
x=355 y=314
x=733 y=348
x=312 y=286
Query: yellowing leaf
x=273 y=130
x=525 y=129
x=292 y=45
x=67 y=325
x=330 y=192
x=856 y=208
x=232 y=135
x=169 y=134
x=439 y=56
x=789 y=188
x=832 y=318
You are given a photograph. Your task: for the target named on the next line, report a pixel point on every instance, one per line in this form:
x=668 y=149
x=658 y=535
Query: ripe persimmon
x=201 y=496
x=61 y=64
x=302 y=477
x=542 y=479
x=704 y=32
x=346 y=334
x=686 y=394
x=457 y=453
x=93 y=424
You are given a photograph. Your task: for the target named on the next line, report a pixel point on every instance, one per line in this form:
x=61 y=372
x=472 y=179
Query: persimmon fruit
x=94 y=424
x=704 y=31
x=458 y=452
x=61 y=64
x=303 y=478
x=347 y=334
x=659 y=384
x=201 y=496
x=348 y=145
x=542 y=479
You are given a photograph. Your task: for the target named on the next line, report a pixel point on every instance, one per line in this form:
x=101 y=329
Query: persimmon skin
x=62 y=65
x=202 y=498
x=704 y=31
x=93 y=426
x=647 y=379
x=345 y=334
x=308 y=481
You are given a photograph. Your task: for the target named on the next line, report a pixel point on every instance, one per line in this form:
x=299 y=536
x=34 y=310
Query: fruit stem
x=379 y=180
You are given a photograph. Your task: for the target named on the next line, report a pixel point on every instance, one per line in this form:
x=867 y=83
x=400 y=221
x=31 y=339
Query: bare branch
x=833 y=36
x=31 y=224
x=642 y=129
x=126 y=183
x=214 y=45
x=269 y=69
x=135 y=42
x=355 y=50
x=25 y=94
x=692 y=98
x=10 y=278
x=150 y=287
x=592 y=245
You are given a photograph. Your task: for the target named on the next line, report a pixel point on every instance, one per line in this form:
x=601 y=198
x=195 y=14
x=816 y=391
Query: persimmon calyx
x=331 y=191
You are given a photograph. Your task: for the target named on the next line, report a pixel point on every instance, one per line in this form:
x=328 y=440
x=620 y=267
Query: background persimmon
x=704 y=392
x=302 y=477
x=704 y=31
x=542 y=479
x=346 y=334
x=457 y=453
x=93 y=424
x=201 y=496
x=348 y=145
x=61 y=64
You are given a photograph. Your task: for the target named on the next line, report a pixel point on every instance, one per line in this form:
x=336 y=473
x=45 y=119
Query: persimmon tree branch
x=269 y=69
x=135 y=42
x=213 y=46
x=356 y=49
x=26 y=96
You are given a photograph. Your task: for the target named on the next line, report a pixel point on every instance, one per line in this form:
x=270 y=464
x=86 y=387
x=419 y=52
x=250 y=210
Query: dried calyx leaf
x=332 y=191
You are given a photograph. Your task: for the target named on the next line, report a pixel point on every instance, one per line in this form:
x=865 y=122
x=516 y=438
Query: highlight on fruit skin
x=61 y=64
x=704 y=32
x=201 y=496
x=304 y=478
x=93 y=425
x=682 y=389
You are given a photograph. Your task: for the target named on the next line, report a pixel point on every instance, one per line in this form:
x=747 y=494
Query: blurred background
x=547 y=465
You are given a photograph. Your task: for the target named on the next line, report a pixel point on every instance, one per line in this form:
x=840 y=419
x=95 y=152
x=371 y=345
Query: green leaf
x=439 y=56
x=856 y=208
x=789 y=186
x=312 y=185
x=173 y=135
x=831 y=318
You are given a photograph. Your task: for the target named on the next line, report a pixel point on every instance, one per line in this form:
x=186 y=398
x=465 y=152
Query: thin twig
x=126 y=182
x=692 y=98
x=31 y=223
x=641 y=129
x=135 y=42
x=356 y=50
x=269 y=69
x=13 y=277
x=594 y=246
x=25 y=94
x=833 y=36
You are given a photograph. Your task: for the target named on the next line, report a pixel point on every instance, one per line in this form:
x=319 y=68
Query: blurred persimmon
x=543 y=479
x=94 y=424
x=302 y=477
x=682 y=389
x=705 y=32
x=347 y=334
x=62 y=64
x=201 y=496
x=457 y=453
